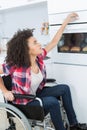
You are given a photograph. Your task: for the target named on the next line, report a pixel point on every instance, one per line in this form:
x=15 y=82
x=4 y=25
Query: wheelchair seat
x=32 y=112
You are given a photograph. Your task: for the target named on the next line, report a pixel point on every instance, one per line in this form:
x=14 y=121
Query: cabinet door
x=59 y=6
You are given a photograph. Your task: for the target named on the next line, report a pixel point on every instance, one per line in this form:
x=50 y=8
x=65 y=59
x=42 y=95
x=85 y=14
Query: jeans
x=49 y=96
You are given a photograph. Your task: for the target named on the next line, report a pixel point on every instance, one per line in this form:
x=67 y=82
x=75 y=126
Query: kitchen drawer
x=58 y=18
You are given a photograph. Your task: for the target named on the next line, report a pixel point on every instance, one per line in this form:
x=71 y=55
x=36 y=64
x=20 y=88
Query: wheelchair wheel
x=12 y=118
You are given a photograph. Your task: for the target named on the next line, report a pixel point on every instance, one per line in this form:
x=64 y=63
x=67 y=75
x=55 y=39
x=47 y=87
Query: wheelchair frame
x=12 y=109
x=26 y=123
x=46 y=124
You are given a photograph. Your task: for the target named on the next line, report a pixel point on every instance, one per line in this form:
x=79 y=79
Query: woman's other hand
x=8 y=95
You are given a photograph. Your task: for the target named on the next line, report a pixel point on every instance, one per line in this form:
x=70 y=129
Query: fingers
x=9 y=96
x=74 y=15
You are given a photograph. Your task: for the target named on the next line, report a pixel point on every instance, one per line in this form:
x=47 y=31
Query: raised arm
x=71 y=17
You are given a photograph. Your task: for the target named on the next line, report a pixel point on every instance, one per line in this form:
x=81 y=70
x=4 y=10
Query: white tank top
x=35 y=81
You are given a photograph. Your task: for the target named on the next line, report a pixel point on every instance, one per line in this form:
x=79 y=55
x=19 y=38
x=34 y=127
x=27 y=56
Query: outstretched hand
x=72 y=17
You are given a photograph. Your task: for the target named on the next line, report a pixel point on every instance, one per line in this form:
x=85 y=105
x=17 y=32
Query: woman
x=24 y=62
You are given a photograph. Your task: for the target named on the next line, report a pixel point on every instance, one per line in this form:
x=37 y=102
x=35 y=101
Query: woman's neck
x=33 y=60
x=34 y=66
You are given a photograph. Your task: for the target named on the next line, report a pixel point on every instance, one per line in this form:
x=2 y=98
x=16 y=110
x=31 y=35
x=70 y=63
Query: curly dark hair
x=18 y=50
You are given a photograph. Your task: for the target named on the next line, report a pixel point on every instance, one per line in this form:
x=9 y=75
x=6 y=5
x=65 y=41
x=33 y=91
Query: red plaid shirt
x=21 y=77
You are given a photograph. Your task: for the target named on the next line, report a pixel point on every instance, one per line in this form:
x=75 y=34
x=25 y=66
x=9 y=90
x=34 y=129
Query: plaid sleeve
x=7 y=69
x=43 y=55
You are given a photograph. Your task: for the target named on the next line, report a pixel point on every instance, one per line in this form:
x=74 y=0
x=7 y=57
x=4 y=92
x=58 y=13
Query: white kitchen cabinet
x=60 y=6
x=59 y=18
x=72 y=75
x=17 y=3
x=22 y=17
x=68 y=68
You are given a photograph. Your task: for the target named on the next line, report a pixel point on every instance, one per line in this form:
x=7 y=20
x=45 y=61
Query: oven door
x=72 y=47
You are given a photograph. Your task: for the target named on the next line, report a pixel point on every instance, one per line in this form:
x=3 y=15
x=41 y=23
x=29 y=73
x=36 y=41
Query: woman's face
x=34 y=47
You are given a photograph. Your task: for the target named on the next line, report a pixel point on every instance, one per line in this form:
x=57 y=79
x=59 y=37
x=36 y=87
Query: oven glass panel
x=73 y=43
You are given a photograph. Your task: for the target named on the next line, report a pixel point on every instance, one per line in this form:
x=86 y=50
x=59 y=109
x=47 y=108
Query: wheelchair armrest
x=28 y=96
x=24 y=96
x=50 y=80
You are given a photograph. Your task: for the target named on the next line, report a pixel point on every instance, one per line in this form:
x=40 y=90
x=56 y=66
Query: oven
x=72 y=47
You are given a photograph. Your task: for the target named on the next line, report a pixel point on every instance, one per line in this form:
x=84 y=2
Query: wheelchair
x=23 y=117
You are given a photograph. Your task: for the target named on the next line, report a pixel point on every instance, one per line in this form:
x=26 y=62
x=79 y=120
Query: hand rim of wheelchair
x=21 y=117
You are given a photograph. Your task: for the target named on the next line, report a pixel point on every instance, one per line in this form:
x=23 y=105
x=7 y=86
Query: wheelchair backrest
x=7 y=82
x=31 y=112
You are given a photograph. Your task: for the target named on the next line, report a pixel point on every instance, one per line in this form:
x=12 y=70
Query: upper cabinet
x=59 y=9
x=6 y=4
x=61 y=6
